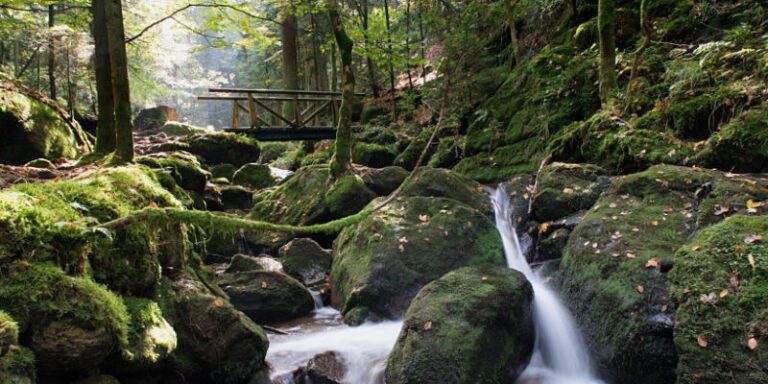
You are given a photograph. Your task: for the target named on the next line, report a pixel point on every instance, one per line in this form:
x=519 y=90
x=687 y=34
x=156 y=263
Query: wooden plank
x=287 y=134
x=277 y=91
x=235 y=114
x=319 y=109
x=265 y=98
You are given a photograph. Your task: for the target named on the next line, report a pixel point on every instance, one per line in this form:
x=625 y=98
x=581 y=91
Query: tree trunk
x=375 y=88
x=422 y=43
x=105 y=130
x=289 y=44
x=334 y=70
x=646 y=28
x=119 y=74
x=341 y=163
x=407 y=43
x=605 y=29
x=391 y=64
x=510 y=6
x=51 y=54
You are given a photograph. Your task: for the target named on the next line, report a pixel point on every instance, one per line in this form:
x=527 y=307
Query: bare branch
x=192 y=5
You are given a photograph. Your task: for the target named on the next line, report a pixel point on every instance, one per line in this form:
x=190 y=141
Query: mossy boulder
x=267 y=296
x=567 y=188
x=719 y=285
x=243 y=263
x=226 y=171
x=183 y=166
x=373 y=155
x=347 y=196
x=470 y=326
x=176 y=128
x=235 y=197
x=30 y=129
x=300 y=200
x=613 y=270
x=439 y=182
x=150 y=119
x=740 y=145
x=224 y=148
x=448 y=153
x=410 y=155
x=216 y=342
x=18 y=366
x=254 y=176
x=72 y=323
x=383 y=181
x=381 y=263
x=306 y=260
x=151 y=338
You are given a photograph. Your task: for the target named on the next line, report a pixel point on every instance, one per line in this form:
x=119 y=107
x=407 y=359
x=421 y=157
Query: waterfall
x=560 y=355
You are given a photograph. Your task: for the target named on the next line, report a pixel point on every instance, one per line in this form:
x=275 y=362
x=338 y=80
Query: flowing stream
x=560 y=355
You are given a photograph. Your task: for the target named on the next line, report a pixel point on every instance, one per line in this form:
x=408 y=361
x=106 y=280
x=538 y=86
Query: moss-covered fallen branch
x=223 y=223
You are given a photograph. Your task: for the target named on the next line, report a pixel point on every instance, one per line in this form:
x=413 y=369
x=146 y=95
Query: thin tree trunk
x=391 y=64
x=375 y=88
x=513 y=36
x=51 y=54
x=341 y=162
x=119 y=75
x=105 y=130
x=605 y=29
x=422 y=43
x=646 y=28
x=334 y=70
x=407 y=42
x=290 y=59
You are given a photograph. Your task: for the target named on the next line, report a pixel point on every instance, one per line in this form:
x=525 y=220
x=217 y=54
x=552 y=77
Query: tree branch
x=192 y=5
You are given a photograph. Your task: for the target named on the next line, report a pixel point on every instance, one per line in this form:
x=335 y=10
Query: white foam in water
x=364 y=348
x=560 y=355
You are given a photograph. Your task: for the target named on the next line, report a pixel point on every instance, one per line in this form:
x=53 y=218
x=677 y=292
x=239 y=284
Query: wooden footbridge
x=314 y=118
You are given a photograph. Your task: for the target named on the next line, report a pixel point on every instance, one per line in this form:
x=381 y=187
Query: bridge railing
x=263 y=108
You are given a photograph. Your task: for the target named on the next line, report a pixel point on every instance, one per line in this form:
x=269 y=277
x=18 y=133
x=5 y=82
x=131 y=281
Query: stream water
x=560 y=355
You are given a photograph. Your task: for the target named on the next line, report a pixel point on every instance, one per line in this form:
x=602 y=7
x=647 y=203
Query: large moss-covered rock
x=383 y=181
x=567 y=188
x=740 y=145
x=373 y=155
x=17 y=363
x=150 y=119
x=30 y=129
x=151 y=338
x=267 y=296
x=254 y=176
x=439 y=182
x=183 y=166
x=306 y=260
x=381 y=263
x=614 y=267
x=72 y=323
x=175 y=128
x=470 y=326
x=347 y=196
x=229 y=148
x=216 y=342
x=719 y=285
x=300 y=200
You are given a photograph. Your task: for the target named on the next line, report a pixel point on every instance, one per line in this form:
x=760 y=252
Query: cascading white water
x=560 y=355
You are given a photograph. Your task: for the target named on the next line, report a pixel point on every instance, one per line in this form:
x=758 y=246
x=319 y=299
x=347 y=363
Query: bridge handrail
x=277 y=91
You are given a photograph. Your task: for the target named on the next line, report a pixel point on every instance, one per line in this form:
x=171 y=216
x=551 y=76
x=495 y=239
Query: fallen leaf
x=663 y=307
x=724 y=293
x=652 y=263
x=568 y=191
x=469 y=224
x=401 y=247
x=427 y=326
x=655 y=223
x=424 y=218
x=702 y=341
x=635 y=229
x=721 y=209
x=484 y=279
x=668 y=210
x=695 y=248
x=263 y=284
x=612 y=205
x=543 y=228
x=753 y=239
x=630 y=255
x=152 y=204
x=751 y=204
x=688 y=206
x=218 y=303
x=752 y=343
x=751 y=260
x=640 y=289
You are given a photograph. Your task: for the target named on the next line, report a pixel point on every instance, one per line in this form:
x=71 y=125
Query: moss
x=223 y=170
x=640 y=217
x=31 y=130
x=255 y=176
x=742 y=144
x=183 y=166
x=267 y=296
x=38 y=293
x=492 y=169
x=448 y=153
x=720 y=290
x=383 y=260
x=416 y=144
x=18 y=367
x=9 y=332
x=180 y=129
x=372 y=155
x=224 y=148
x=150 y=337
x=567 y=188
x=438 y=182
x=348 y=196
x=469 y=326
x=371 y=112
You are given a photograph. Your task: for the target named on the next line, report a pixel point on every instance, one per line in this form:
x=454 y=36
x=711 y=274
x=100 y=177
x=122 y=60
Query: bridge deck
x=286 y=134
